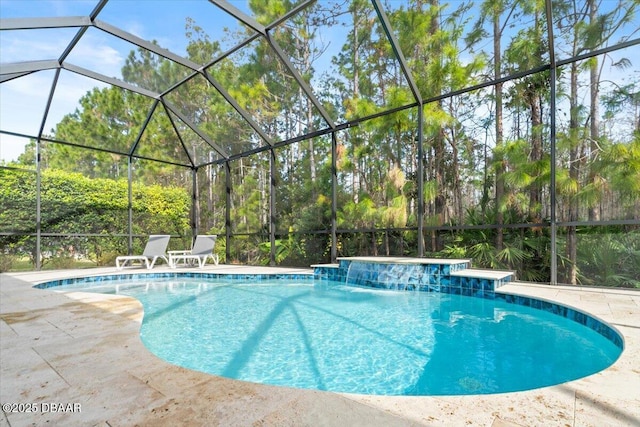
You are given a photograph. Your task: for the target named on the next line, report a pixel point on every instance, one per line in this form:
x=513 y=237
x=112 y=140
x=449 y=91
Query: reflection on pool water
x=328 y=336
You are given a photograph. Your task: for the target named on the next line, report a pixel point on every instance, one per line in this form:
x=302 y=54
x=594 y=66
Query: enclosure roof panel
x=221 y=76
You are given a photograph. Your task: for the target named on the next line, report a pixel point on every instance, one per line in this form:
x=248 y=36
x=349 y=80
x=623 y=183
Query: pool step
x=328 y=272
x=480 y=282
x=501 y=277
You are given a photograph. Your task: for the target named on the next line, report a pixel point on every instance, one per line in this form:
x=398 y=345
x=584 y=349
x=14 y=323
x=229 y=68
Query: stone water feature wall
x=452 y=276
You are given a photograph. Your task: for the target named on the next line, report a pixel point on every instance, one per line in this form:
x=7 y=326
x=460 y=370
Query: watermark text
x=42 y=407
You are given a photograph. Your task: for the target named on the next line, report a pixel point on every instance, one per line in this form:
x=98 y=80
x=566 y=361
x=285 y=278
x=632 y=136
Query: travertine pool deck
x=84 y=349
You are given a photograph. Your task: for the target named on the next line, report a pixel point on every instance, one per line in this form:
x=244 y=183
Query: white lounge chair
x=156 y=248
x=202 y=249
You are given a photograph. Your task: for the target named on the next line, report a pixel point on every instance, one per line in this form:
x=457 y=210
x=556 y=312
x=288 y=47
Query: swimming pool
x=328 y=336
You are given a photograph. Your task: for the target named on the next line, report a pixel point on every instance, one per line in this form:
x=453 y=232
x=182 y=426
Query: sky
x=22 y=100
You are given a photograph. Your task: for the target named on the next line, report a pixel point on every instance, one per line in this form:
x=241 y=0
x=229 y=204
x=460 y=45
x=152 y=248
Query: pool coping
x=48 y=354
x=405 y=260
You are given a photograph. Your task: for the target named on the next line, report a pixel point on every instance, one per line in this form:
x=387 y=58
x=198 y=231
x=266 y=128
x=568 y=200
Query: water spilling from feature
x=385 y=276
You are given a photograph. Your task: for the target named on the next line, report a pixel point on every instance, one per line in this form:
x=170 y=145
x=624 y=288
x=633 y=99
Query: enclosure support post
x=130 y=203
x=38 y=207
x=195 y=204
x=552 y=144
x=334 y=196
x=272 y=208
x=227 y=211
x=420 y=183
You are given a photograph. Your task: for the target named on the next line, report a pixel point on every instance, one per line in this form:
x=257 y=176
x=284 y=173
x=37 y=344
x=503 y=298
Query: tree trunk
x=499 y=193
x=306 y=58
x=455 y=173
x=594 y=211
x=536 y=155
x=438 y=143
x=574 y=175
x=356 y=95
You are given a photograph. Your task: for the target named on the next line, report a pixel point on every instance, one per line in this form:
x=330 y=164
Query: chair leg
x=121 y=264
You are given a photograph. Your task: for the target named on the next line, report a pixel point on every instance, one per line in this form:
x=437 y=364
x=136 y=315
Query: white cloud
x=34 y=45
x=23 y=100
x=11 y=147
x=99 y=52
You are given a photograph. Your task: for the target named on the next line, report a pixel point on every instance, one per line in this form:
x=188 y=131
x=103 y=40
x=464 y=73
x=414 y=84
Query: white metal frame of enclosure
x=15 y=70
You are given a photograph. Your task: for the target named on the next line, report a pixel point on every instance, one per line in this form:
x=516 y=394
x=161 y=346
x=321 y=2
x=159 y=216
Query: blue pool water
x=328 y=336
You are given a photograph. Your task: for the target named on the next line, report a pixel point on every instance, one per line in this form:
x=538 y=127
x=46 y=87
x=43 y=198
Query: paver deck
x=85 y=349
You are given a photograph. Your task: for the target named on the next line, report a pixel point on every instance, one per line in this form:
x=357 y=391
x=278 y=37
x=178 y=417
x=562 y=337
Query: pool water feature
x=327 y=335
x=453 y=276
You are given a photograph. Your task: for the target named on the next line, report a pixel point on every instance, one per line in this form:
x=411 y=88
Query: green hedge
x=74 y=204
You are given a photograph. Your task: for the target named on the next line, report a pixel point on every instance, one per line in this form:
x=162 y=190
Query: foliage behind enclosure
x=499 y=175
x=96 y=209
